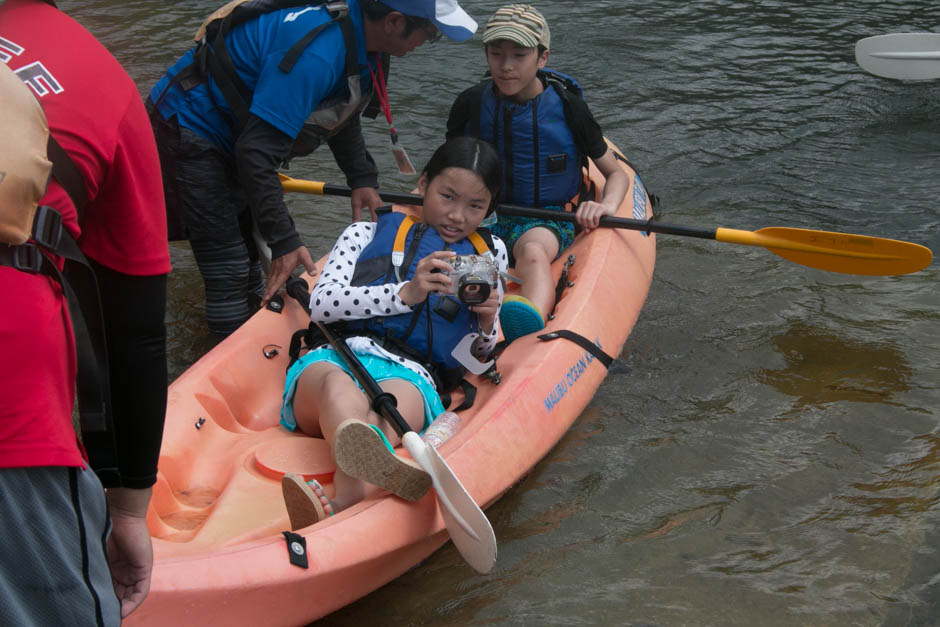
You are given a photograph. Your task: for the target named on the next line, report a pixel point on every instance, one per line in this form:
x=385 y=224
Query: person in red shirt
x=59 y=564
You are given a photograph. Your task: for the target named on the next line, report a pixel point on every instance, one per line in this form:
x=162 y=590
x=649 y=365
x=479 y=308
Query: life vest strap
x=479 y=244
x=217 y=61
x=338 y=10
x=80 y=285
x=398 y=247
x=67 y=174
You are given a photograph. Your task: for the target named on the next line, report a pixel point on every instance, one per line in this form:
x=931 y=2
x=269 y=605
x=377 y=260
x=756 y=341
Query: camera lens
x=473 y=290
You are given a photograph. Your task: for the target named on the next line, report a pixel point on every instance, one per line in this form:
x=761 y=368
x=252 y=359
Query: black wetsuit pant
x=206 y=205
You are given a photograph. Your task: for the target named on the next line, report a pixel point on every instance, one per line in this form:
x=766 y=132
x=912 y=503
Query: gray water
x=766 y=450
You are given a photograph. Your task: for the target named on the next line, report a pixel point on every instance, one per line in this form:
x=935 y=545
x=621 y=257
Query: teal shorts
x=380 y=368
x=510 y=229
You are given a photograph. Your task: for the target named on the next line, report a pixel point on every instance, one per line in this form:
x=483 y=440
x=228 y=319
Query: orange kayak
x=217 y=514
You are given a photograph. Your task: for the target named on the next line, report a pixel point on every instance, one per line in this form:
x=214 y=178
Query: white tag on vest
x=462 y=354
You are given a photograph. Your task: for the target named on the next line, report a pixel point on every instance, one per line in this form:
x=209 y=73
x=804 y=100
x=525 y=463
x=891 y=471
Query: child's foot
x=518 y=316
x=306 y=503
x=361 y=452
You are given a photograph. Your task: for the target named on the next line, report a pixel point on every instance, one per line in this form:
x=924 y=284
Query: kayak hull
x=217 y=514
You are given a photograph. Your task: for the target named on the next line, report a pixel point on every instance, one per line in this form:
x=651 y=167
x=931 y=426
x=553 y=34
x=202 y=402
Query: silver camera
x=474 y=277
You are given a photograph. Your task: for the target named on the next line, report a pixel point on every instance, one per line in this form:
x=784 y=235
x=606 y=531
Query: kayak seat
x=297 y=454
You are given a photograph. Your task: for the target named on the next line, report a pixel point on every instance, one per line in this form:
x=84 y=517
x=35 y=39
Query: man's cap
x=519 y=23
x=447 y=15
x=24 y=169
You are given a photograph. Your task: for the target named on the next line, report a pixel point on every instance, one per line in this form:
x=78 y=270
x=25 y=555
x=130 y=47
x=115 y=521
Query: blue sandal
x=518 y=316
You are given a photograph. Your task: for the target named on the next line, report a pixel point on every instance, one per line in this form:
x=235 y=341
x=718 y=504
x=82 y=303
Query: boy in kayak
x=388 y=282
x=269 y=81
x=545 y=133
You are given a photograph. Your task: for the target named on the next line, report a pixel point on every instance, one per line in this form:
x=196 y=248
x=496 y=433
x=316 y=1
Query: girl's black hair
x=469 y=153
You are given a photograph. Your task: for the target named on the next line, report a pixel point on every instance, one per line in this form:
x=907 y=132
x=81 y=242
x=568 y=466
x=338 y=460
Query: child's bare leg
x=326 y=397
x=410 y=406
x=534 y=252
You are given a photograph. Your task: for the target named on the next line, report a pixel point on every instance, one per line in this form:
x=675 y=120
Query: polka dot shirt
x=333 y=298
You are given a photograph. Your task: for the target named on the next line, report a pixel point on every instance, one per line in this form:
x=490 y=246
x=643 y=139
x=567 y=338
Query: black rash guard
x=133 y=308
x=261 y=148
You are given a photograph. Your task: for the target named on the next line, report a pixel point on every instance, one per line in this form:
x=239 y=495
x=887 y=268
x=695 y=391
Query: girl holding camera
x=390 y=283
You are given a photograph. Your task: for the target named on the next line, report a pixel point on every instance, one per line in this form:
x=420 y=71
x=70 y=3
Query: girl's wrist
x=487 y=324
x=404 y=294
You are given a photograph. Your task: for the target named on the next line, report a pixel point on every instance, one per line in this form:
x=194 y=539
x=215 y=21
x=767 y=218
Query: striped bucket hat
x=519 y=23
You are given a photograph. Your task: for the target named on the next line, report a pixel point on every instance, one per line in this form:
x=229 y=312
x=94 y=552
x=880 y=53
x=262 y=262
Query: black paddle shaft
x=647 y=226
x=383 y=403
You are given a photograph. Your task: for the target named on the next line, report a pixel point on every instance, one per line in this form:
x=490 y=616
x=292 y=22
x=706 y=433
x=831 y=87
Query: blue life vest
x=431 y=332
x=541 y=161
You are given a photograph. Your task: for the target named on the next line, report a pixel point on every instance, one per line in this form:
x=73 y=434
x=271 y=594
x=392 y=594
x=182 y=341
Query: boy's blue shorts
x=510 y=229
x=380 y=368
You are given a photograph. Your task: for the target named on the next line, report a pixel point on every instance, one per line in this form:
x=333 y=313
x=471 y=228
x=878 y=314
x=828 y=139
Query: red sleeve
x=126 y=230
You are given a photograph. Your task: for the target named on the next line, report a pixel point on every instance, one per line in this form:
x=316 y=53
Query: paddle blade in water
x=835 y=252
x=468 y=526
x=910 y=56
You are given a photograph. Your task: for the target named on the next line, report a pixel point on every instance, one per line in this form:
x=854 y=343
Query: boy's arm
x=615 y=188
x=616 y=185
x=590 y=140
x=586 y=131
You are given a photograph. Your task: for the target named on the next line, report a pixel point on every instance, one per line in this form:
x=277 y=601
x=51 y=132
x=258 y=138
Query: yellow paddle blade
x=835 y=252
x=299 y=185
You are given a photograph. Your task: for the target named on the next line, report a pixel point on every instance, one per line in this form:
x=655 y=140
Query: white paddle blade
x=905 y=56
x=467 y=525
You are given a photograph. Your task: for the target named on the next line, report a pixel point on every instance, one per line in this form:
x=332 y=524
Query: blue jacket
x=323 y=89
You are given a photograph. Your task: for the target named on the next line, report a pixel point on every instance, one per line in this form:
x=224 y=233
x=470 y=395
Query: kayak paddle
x=468 y=526
x=824 y=250
x=912 y=56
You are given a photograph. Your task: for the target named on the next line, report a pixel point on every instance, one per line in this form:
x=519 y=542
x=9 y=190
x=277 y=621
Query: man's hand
x=130 y=551
x=283 y=266
x=364 y=197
